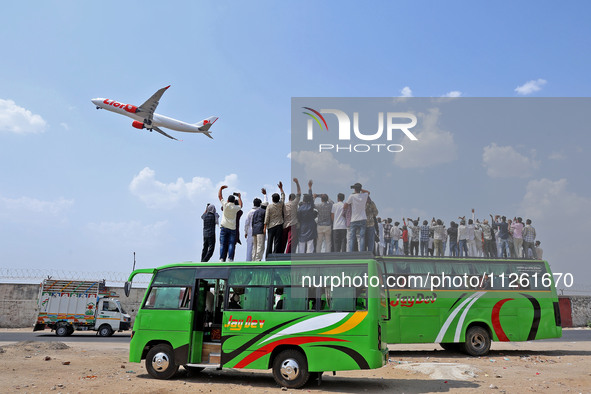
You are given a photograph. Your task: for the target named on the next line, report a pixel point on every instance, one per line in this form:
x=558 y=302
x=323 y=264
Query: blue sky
x=81 y=189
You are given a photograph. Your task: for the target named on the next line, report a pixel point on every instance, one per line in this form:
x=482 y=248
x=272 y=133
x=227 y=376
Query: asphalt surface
x=124 y=337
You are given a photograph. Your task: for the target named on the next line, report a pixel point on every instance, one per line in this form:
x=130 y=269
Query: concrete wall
x=18 y=303
x=581 y=310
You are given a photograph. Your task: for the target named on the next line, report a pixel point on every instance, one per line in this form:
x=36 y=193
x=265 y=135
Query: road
x=20 y=335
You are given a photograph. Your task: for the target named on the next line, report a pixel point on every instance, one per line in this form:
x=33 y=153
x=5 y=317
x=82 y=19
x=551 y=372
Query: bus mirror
x=127 y=288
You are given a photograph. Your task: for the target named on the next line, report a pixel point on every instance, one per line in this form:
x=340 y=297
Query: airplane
x=144 y=116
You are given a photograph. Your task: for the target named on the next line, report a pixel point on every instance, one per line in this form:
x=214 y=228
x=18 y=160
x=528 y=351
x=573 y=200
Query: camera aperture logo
x=395 y=122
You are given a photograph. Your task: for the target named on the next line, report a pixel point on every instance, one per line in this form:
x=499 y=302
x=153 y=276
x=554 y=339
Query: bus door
x=207 y=321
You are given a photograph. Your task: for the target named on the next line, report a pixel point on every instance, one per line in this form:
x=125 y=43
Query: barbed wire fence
x=37 y=275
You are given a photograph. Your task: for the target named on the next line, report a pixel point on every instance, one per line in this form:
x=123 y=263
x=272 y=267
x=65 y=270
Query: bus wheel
x=105 y=331
x=61 y=330
x=477 y=341
x=160 y=362
x=450 y=346
x=194 y=370
x=290 y=369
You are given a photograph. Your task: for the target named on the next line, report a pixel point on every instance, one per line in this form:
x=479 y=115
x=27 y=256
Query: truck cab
x=111 y=317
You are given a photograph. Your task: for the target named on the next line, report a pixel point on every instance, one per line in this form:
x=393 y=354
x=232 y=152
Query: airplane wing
x=147 y=109
x=163 y=133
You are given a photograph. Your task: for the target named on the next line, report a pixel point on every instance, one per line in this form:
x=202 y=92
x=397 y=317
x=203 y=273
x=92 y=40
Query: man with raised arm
x=228 y=224
x=274 y=222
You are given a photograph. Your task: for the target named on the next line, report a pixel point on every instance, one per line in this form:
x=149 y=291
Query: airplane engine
x=137 y=124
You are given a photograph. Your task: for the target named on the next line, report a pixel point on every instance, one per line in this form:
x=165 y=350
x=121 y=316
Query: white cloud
x=506 y=162
x=530 y=87
x=32 y=209
x=65 y=126
x=406 y=92
x=453 y=93
x=157 y=194
x=324 y=168
x=433 y=146
x=19 y=120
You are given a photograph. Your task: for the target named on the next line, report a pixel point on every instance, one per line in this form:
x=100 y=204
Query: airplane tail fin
x=205 y=124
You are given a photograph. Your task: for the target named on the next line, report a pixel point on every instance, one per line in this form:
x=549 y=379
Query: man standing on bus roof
x=210 y=220
x=339 y=225
x=452 y=231
x=258 y=226
x=529 y=239
x=518 y=226
x=503 y=227
x=290 y=219
x=274 y=222
x=228 y=225
x=357 y=201
x=463 y=238
x=424 y=231
x=248 y=227
x=415 y=235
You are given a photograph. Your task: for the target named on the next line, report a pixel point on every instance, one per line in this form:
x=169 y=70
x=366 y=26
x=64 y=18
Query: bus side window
x=235 y=299
x=279 y=298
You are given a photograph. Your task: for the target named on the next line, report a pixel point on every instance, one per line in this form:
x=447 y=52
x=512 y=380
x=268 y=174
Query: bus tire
x=160 y=362
x=105 y=330
x=61 y=330
x=290 y=369
x=477 y=341
x=451 y=346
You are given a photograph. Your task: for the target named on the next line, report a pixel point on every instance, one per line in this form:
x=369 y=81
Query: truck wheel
x=160 y=362
x=70 y=330
x=290 y=369
x=477 y=341
x=105 y=331
x=61 y=331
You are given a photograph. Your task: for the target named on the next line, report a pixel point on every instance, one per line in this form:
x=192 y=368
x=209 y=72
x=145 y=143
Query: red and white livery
x=145 y=118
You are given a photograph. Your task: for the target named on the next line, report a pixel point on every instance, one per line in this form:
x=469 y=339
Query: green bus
x=464 y=303
x=255 y=315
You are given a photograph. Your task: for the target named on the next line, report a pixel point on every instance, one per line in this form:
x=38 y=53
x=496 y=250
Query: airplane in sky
x=144 y=116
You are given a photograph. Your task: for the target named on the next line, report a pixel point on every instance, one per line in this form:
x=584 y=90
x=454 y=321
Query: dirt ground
x=34 y=367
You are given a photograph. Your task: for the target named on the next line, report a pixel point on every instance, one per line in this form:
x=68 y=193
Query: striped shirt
x=424 y=233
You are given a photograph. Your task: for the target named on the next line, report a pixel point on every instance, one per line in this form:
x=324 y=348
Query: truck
x=66 y=306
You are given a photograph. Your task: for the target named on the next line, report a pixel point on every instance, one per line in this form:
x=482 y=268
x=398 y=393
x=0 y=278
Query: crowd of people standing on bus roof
x=312 y=222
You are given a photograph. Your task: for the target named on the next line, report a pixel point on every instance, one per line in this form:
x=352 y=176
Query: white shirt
x=395 y=233
x=470 y=231
x=357 y=202
x=229 y=215
x=462 y=232
x=339 y=222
